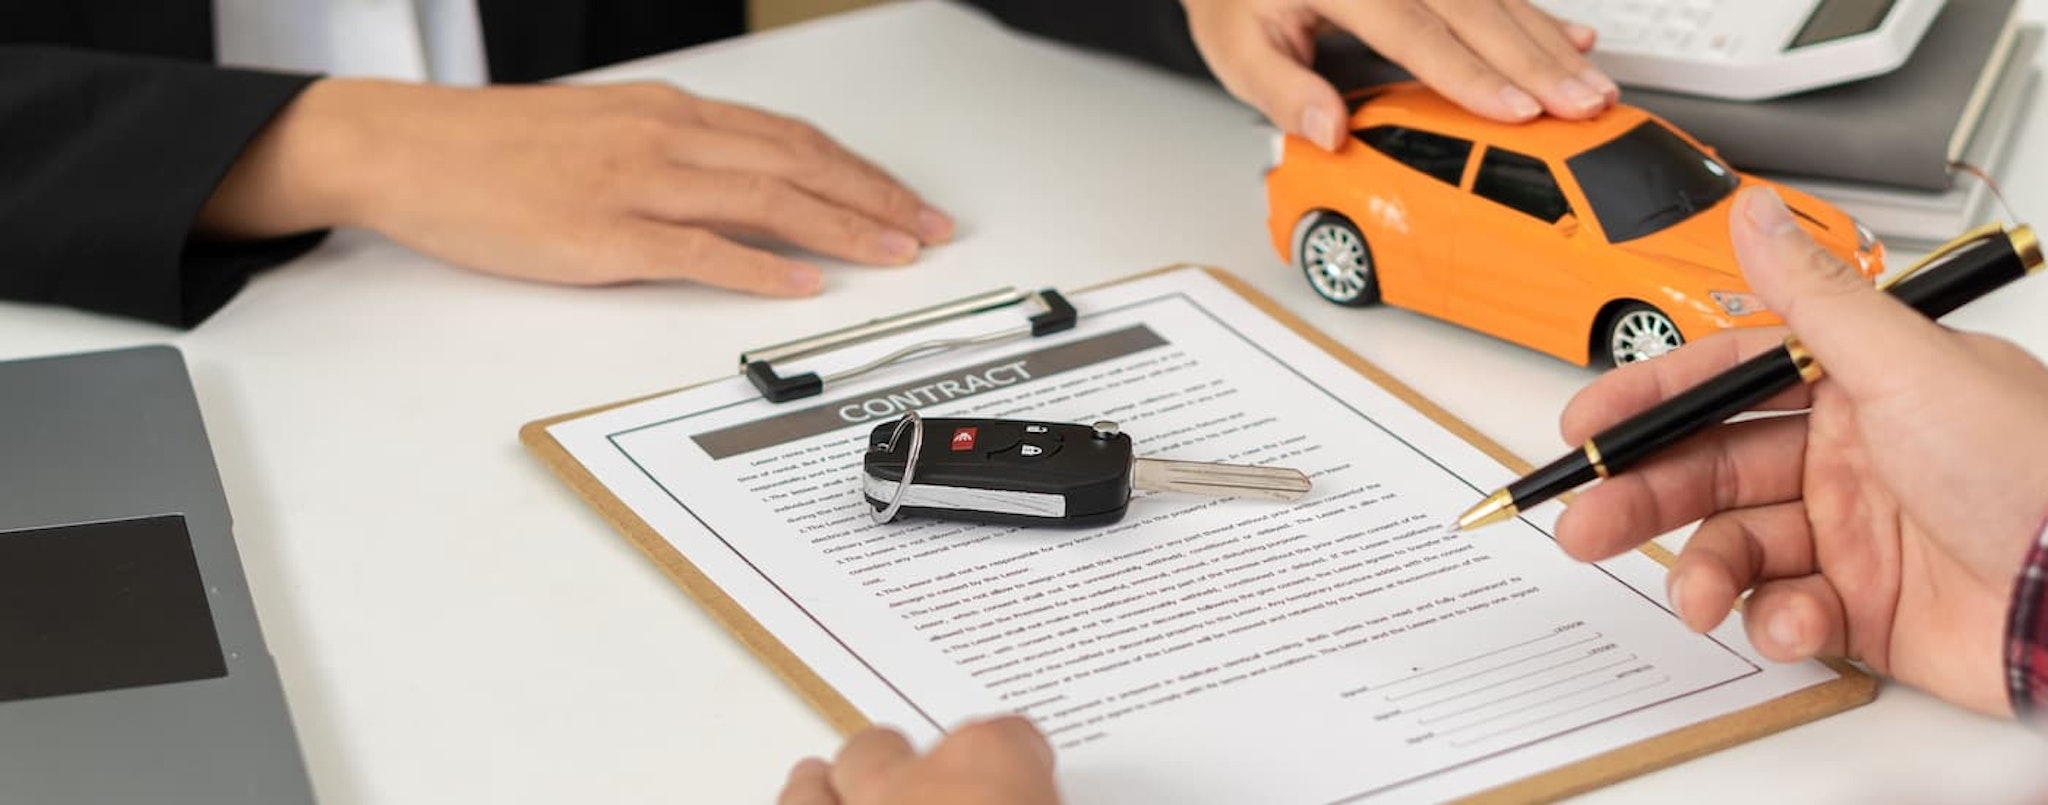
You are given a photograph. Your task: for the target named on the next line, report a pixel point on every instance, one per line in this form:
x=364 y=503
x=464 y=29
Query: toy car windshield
x=1648 y=180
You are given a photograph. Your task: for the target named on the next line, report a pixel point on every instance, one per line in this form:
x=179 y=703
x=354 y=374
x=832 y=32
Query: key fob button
x=1027 y=452
x=1043 y=434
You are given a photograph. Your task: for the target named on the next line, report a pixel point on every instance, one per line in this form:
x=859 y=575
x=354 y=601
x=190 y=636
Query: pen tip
x=1495 y=508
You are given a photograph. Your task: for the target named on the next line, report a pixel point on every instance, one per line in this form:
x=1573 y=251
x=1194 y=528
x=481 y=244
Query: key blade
x=1219 y=480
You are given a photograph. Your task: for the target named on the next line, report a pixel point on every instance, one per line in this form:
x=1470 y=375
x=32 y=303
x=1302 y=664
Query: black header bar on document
x=758 y=365
x=888 y=403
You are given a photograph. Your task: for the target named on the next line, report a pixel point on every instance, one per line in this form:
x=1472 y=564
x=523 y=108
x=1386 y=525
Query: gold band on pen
x=1593 y=455
x=2026 y=246
x=1809 y=369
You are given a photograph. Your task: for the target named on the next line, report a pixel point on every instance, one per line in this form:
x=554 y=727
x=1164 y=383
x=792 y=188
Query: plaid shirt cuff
x=2026 y=635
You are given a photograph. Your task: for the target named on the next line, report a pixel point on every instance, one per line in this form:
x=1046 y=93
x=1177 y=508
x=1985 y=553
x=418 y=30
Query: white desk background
x=453 y=625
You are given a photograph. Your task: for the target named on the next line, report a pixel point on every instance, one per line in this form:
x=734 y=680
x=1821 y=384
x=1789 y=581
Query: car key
x=1038 y=473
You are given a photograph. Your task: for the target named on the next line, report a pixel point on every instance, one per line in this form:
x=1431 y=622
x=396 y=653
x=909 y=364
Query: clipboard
x=1851 y=687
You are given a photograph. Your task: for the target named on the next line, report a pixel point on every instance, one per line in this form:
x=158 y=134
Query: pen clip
x=1944 y=250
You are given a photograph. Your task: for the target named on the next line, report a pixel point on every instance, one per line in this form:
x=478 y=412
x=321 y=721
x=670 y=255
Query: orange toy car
x=1600 y=242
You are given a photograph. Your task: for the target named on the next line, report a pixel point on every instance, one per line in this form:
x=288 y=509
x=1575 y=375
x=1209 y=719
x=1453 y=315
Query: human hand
x=1004 y=761
x=582 y=185
x=1887 y=523
x=1504 y=59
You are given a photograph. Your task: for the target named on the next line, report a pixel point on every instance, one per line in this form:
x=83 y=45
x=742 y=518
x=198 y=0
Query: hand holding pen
x=1887 y=521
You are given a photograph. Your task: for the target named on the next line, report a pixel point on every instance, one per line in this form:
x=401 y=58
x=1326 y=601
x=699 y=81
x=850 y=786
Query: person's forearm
x=2026 y=655
x=310 y=169
x=583 y=185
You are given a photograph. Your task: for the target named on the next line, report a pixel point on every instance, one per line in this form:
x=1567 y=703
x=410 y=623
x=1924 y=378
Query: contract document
x=1348 y=647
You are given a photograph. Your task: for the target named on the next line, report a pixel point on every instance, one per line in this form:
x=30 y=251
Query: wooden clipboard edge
x=823 y=698
x=1853 y=687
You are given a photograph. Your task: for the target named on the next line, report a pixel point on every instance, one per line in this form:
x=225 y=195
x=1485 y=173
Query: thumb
x=1011 y=742
x=1303 y=103
x=1008 y=756
x=1862 y=336
x=1320 y=118
x=1274 y=79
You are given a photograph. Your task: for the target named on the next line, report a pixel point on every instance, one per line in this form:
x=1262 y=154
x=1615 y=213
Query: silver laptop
x=132 y=668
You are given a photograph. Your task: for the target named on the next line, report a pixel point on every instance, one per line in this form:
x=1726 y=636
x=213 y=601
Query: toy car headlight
x=1865 y=239
x=1737 y=303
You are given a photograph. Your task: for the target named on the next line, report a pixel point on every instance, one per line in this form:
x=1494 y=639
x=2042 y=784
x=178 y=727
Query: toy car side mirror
x=1567 y=225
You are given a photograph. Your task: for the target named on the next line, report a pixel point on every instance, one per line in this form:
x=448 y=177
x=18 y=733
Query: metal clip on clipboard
x=1055 y=315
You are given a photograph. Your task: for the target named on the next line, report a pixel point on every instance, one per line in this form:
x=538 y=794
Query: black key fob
x=999 y=471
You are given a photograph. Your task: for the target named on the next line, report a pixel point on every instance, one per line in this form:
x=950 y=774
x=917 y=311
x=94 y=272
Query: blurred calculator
x=1748 y=49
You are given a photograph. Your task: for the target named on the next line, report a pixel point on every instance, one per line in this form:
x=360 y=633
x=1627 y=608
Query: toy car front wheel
x=1638 y=332
x=1334 y=257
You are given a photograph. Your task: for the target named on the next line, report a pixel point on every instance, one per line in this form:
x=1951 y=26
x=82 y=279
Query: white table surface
x=453 y=625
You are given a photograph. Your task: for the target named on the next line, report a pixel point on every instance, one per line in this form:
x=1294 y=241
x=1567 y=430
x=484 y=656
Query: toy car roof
x=1412 y=105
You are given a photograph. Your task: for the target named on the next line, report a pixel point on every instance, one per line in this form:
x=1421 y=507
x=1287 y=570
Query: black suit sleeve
x=1151 y=31
x=1156 y=32
x=105 y=163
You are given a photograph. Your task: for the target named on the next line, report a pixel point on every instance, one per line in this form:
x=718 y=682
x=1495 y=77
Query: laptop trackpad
x=102 y=606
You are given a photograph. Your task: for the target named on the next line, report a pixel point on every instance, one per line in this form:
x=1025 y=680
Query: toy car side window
x=1521 y=182
x=1441 y=157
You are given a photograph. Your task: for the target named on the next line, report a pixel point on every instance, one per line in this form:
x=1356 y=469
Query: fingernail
x=804 y=280
x=1520 y=105
x=934 y=226
x=1672 y=585
x=1316 y=125
x=809 y=767
x=1600 y=83
x=1786 y=634
x=1766 y=212
x=1579 y=33
x=896 y=247
x=1580 y=95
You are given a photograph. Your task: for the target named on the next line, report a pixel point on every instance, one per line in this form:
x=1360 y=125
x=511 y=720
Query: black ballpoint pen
x=1964 y=269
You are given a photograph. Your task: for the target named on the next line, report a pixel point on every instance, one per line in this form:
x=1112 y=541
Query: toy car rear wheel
x=1639 y=332
x=1336 y=260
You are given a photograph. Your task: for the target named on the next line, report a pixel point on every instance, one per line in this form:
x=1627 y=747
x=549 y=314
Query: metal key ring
x=916 y=424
